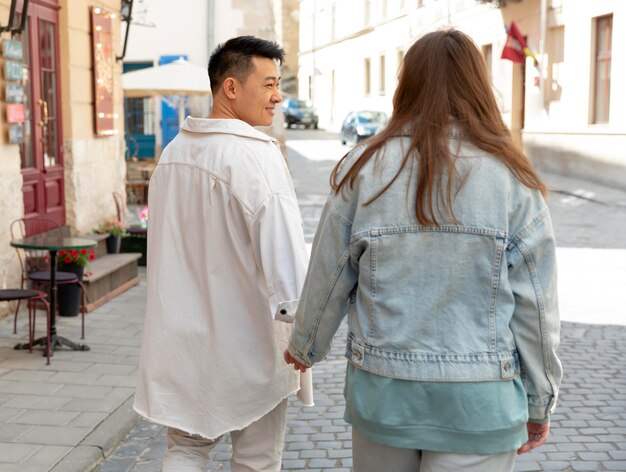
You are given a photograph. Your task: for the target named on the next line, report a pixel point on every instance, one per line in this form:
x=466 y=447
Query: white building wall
x=560 y=134
x=557 y=131
x=363 y=29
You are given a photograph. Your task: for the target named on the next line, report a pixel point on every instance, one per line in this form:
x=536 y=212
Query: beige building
x=566 y=110
x=61 y=149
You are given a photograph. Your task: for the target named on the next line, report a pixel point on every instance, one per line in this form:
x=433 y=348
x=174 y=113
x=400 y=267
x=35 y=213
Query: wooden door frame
x=46 y=10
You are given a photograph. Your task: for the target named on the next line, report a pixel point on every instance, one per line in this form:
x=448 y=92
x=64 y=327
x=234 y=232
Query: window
x=555 y=47
x=400 y=59
x=367 y=75
x=488 y=55
x=139 y=115
x=381 y=80
x=602 y=72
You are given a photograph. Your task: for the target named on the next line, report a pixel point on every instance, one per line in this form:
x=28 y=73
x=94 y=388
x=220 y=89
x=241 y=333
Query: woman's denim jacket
x=469 y=301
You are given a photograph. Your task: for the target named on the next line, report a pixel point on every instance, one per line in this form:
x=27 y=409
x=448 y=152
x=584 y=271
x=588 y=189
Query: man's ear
x=230 y=88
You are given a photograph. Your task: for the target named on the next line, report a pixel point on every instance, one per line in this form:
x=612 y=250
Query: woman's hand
x=290 y=360
x=537 y=435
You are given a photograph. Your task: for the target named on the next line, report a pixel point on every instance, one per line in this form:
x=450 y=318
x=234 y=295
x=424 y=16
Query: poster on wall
x=15 y=113
x=12 y=49
x=16 y=133
x=13 y=70
x=14 y=92
x=103 y=70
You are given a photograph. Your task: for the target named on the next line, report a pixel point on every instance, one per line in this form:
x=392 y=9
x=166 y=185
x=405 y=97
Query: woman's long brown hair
x=443 y=80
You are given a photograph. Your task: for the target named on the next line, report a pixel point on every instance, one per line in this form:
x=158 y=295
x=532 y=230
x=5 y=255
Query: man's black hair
x=234 y=58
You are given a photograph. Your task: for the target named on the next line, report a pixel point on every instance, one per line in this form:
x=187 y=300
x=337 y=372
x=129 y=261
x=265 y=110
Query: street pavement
x=69 y=416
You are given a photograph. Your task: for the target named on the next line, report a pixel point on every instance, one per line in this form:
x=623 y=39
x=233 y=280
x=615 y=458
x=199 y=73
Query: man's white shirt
x=226 y=264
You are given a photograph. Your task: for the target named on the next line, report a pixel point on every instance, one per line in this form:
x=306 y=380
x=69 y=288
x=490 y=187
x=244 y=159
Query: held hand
x=537 y=435
x=290 y=360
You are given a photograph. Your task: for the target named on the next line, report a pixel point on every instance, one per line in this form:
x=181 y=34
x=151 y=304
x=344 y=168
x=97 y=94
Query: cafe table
x=53 y=243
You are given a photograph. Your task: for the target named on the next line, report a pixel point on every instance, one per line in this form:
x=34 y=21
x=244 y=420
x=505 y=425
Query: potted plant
x=68 y=295
x=115 y=229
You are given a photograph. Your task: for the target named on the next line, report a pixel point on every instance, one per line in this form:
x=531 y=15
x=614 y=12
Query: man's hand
x=290 y=360
x=537 y=435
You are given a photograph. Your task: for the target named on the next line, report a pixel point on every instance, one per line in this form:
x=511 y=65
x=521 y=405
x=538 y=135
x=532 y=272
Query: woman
x=437 y=243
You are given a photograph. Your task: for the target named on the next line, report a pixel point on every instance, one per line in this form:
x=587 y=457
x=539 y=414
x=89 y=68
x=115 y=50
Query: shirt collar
x=224 y=126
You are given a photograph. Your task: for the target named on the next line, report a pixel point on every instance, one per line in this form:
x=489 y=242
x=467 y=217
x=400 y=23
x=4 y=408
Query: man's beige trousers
x=258 y=447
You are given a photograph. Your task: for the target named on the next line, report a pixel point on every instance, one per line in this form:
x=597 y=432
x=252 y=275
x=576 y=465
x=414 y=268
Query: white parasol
x=179 y=78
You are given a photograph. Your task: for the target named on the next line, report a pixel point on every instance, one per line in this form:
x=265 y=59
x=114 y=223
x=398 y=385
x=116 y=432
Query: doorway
x=42 y=150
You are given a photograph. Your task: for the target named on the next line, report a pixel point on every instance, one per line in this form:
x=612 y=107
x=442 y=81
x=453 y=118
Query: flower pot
x=136 y=242
x=68 y=295
x=114 y=244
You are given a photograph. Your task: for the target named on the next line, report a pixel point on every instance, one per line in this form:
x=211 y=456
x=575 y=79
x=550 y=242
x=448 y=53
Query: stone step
x=108 y=276
x=101 y=248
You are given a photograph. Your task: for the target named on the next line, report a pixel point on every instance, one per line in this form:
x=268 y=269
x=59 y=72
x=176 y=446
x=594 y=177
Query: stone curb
x=91 y=452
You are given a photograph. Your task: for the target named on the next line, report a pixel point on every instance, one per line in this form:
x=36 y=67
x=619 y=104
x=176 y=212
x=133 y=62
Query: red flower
x=81 y=257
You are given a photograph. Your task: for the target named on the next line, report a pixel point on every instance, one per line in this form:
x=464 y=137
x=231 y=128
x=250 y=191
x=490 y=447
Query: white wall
x=354 y=39
x=180 y=27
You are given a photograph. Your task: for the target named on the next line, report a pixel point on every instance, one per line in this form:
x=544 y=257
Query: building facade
x=565 y=109
x=61 y=125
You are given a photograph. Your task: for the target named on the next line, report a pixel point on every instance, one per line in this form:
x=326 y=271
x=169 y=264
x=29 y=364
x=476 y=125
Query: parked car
x=360 y=125
x=299 y=112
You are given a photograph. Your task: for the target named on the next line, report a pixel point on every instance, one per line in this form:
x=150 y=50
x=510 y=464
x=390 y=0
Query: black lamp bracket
x=126 y=16
x=11 y=26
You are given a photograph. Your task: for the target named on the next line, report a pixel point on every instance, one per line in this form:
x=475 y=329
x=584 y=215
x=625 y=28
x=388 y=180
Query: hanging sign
x=12 y=49
x=16 y=134
x=15 y=113
x=13 y=70
x=14 y=92
x=103 y=71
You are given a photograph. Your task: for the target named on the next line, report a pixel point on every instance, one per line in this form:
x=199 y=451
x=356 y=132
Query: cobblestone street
x=588 y=431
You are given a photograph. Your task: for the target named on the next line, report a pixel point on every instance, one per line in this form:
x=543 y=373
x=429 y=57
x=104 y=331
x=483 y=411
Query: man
x=226 y=263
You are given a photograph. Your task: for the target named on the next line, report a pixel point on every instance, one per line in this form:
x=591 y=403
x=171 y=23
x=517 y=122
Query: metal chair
x=120 y=207
x=32 y=297
x=35 y=264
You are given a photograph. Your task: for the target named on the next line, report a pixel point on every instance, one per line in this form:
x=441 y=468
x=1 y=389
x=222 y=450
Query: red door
x=42 y=151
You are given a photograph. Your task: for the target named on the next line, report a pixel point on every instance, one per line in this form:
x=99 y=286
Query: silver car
x=360 y=125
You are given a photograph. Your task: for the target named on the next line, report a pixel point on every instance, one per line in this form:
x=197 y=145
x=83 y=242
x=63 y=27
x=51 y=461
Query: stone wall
x=11 y=208
x=11 y=201
x=95 y=167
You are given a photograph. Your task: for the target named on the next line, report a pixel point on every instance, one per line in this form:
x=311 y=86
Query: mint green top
x=462 y=417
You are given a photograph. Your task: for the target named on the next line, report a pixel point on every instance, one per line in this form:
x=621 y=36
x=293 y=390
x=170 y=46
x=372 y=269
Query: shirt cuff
x=286 y=311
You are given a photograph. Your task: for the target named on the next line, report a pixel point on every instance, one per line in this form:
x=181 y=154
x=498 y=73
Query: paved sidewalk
x=67 y=416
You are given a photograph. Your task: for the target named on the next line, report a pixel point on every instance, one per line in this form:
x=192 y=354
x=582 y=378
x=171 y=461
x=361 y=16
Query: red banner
x=515 y=47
